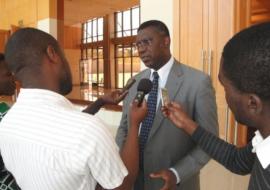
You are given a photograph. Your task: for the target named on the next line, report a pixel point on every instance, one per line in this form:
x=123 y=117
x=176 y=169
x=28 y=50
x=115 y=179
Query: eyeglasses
x=144 y=43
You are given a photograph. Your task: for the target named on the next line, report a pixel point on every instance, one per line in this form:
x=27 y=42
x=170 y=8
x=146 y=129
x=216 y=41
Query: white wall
x=158 y=10
x=48 y=25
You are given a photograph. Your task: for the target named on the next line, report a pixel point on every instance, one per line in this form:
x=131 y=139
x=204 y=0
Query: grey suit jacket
x=168 y=146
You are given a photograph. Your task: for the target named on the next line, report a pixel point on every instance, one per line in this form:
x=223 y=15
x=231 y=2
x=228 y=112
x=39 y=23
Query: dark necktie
x=148 y=121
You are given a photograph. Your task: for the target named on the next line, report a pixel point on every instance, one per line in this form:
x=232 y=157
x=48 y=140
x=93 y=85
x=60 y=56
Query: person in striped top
x=245 y=75
x=7 y=88
x=45 y=141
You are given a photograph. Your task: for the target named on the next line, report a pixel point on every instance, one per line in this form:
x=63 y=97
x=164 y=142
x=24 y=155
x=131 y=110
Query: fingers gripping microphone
x=144 y=87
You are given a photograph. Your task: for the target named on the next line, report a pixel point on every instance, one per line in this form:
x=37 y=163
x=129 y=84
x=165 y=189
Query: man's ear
x=255 y=105
x=51 y=53
x=167 y=41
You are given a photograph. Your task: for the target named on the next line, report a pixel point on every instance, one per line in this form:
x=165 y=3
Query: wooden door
x=202 y=29
x=190 y=25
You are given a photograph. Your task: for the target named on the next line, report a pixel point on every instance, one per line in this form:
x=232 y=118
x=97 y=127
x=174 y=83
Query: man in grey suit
x=169 y=158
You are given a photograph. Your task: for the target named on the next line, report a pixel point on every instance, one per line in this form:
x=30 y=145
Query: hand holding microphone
x=112 y=98
x=138 y=108
x=143 y=88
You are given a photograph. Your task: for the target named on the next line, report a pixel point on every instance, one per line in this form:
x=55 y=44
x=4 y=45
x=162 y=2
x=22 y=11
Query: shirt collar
x=163 y=72
x=42 y=96
x=262 y=148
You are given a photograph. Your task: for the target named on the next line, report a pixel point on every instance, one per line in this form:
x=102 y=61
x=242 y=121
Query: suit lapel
x=146 y=74
x=173 y=84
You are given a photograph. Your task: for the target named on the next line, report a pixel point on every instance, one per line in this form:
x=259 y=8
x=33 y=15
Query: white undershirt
x=262 y=148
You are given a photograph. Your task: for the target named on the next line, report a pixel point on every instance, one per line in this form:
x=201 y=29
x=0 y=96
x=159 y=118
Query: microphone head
x=145 y=86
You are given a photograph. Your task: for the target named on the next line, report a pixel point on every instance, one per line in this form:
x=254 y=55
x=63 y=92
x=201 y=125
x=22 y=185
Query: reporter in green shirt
x=7 y=88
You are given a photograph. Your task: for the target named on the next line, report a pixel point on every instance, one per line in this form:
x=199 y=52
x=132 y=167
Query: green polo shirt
x=3 y=109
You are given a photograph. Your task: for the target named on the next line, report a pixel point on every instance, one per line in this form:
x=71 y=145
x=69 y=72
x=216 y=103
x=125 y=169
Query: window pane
x=100 y=53
x=127 y=33
x=119 y=21
x=94 y=27
x=94 y=66
x=94 y=53
x=134 y=51
x=119 y=71
x=85 y=71
x=119 y=34
x=125 y=25
x=89 y=53
x=127 y=20
x=84 y=31
x=120 y=80
x=134 y=32
x=100 y=38
x=120 y=65
x=136 y=65
x=127 y=52
x=135 y=18
x=119 y=52
x=101 y=71
x=89 y=31
x=84 y=54
x=100 y=26
x=127 y=69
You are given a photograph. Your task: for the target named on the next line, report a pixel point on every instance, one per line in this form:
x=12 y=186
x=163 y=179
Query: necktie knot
x=156 y=76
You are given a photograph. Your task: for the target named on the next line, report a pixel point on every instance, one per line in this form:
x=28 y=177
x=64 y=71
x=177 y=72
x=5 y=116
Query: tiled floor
x=215 y=177
x=87 y=93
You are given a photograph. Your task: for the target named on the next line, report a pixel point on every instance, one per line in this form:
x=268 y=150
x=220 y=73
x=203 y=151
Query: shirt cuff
x=176 y=175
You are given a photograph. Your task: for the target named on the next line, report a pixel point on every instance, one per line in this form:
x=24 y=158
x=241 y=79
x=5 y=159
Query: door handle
x=202 y=59
x=210 y=57
x=227 y=123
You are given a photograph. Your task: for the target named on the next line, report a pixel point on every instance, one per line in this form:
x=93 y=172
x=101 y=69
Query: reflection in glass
x=100 y=52
x=119 y=51
x=101 y=72
x=127 y=63
x=89 y=53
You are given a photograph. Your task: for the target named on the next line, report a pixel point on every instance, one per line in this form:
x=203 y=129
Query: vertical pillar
x=47 y=16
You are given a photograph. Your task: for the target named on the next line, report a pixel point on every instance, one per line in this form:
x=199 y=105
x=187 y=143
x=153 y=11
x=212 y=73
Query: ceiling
x=77 y=11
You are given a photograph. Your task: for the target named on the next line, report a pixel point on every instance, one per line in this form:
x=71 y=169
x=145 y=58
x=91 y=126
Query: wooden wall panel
x=4 y=35
x=72 y=37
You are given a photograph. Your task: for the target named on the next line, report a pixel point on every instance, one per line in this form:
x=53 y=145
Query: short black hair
x=158 y=25
x=246 y=60
x=27 y=47
x=2 y=57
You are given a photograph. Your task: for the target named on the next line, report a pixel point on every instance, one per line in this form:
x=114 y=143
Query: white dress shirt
x=262 y=149
x=163 y=73
x=47 y=144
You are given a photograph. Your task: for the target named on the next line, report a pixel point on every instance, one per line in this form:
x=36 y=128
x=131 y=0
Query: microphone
x=144 y=87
